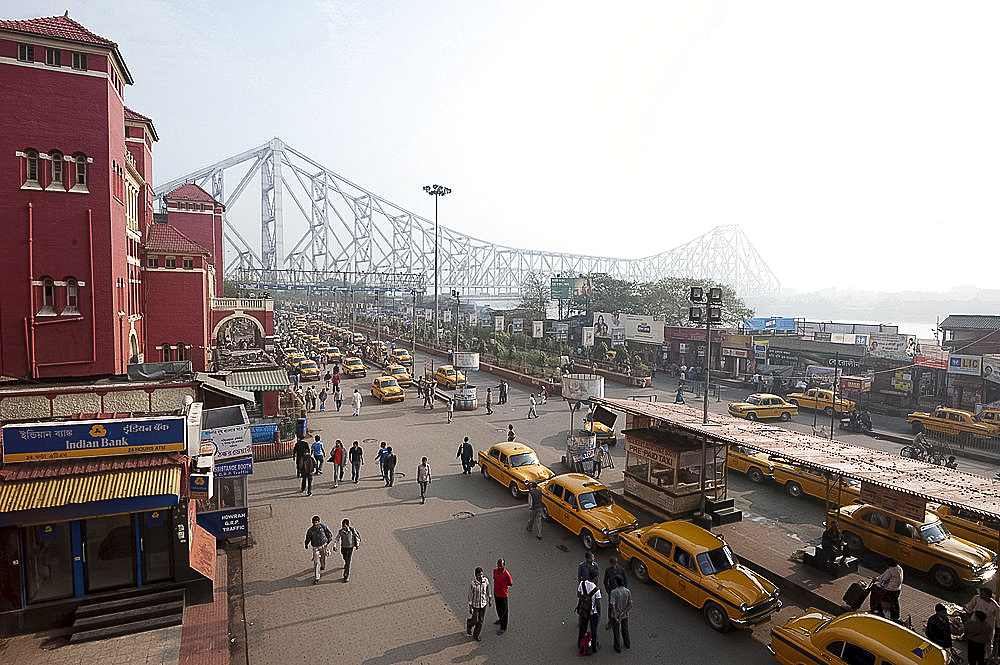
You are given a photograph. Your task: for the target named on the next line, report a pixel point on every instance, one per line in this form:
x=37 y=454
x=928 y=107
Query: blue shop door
x=109 y=553
x=157 y=551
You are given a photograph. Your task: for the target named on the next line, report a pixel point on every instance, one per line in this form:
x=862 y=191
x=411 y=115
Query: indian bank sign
x=91 y=438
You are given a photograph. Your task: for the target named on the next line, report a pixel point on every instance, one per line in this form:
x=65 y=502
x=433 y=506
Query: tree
x=670 y=297
x=535 y=295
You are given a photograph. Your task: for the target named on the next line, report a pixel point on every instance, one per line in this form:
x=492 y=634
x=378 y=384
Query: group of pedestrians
x=981 y=615
x=589 y=604
x=480 y=599
x=319 y=538
x=311 y=458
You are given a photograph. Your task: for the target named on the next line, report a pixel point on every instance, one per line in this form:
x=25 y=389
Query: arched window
x=72 y=297
x=80 y=172
x=31 y=167
x=48 y=297
x=165 y=353
x=56 y=170
x=181 y=351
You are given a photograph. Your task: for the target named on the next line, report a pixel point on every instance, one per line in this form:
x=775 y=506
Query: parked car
x=449 y=377
x=798 y=479
x=386 y=389
x=763 y=405
x=399 y=373
x=700 y=568
x=855 y=637
x=821 y=399
x=402 y=356
x=968 y=525
x=353 y=366
x=925 y=545
x=513 y=464
x=757 y=466
x=953 y=422
x=587 y=508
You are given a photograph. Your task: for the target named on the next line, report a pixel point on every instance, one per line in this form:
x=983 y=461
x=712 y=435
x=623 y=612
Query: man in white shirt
x=479 y=599
x=985 y=603
x=890 y=582
x=589 y=588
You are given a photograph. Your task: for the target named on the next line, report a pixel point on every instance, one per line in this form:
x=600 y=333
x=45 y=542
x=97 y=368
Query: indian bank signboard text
x=92 y=438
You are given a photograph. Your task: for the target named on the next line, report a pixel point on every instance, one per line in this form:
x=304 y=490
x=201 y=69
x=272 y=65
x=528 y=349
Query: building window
x=72 y=297
x=53 y=56
x=26 y=52
x=152 y=262
x=80 y=61
x=181 y=351
x=80 y=177
x=171 y=262
x=48 y=307
x=31 y=168
x=56 y=160
x=165 y=353
x=188 y=262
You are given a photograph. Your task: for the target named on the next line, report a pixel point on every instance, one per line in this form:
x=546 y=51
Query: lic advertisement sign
x=959 y=364
x=92 y=438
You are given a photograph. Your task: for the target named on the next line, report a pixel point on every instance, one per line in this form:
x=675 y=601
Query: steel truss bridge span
x=348 y=229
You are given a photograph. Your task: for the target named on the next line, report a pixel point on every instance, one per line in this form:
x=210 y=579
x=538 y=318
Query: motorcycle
x=925 y=452
x=857 y=422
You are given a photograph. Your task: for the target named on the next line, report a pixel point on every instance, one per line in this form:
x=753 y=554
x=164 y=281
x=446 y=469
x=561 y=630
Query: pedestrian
x=590 y=617
x=318 y=537
x=466 y=454
x=380 y=458
x=978 y=635
x=336 y=376
x=545 y=394
x=338 y=397
x=531 y=408
x=679 y=397
x=587 y=566
x=479 y=600
x=423 y=477
x=429 y=396
x=614 y=571
x=510 y=432
x=938 y=628
x=307 y=467
x=504 y=387
x=890 y=582
x=984 y=602
x=322 y=399
x=347 y=541
x=338 y=458
x=501 y=584
x=357 y=458
x=599 y=460
x=301 y=449
x=535 y=509
x=310 y=399
x=489 y=401
x=319 y=454
x=356 y=403
x=420 y=387
x=328 y=380
x=389 y=463
x=619 y=604
x=451 y=409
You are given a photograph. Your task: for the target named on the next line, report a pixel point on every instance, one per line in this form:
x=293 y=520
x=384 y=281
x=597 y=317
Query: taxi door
x=910 y=548
x=657 y=555
x=573 y=519
x=681 y=577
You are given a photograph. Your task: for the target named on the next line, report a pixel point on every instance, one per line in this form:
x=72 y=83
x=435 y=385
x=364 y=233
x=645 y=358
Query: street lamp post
x=713 y=314
x=437 y=191
x=458 y=304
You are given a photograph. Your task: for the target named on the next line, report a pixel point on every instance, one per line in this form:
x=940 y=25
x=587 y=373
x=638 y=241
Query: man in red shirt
x=501 y=582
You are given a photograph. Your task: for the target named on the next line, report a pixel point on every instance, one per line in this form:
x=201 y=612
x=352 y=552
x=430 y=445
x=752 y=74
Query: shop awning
x=221 y=388
x=270 y=379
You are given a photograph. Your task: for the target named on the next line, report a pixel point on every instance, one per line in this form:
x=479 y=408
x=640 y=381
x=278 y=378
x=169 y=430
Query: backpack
x=584 y=604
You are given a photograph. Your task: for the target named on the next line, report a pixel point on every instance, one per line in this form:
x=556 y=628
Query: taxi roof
x=880 y=635
x=511 y=447
x=577 y=481
x=692 y=534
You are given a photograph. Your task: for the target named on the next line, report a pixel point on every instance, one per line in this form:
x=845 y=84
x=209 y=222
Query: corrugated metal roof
x=970 y=322
x=66 y=490
x=223 y=388
x=935 y=483
x=271 y=379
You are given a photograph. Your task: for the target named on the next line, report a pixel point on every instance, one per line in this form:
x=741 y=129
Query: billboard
x=892 y=346
x=537 y=329
x=562 y=288
x=498 y=323
x=930 y=354
x=588 y=336
x=609 y=326
x=991 y=367
x=92 y=438
x=957 y=364
x=229 y=442
x=769 y=324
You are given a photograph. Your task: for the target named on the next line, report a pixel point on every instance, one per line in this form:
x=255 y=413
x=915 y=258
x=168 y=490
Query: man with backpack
x=588 y=608
x=318 y=537
x=347 y=541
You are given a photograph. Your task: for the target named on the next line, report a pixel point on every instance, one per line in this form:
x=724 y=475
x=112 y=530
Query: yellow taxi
x=358 y=338
x=293 y=359
x=763 y=405
x=798 y=479
x=855 y=637
x=333 y=355
x=513 y=464
x=757 y=466
x=386 y=389
x=449 y=377
x=402 y=356
x=353 y=366
x=953 y=422
x=399 y=373
x=968 y=525
x=308 y=370
x=600 y=431
x=821 y=399
x=925 y=545
x=697 y=566
x=585 y=507
x=990 y=417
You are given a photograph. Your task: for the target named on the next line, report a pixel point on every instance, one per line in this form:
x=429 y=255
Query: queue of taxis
x=798 y=479
x=925 y=545
x=965 y=524
x=756 y=466
x=700 y=568
x=821 y=399
x=587 y=508
x=855 y=637
x=353 y=367
x=333 y=355
x=308 y=369
x=386 y=389
x=763 y=405
x=514 y=465
x=449 y=377
x=953 y=422
x=399 y=373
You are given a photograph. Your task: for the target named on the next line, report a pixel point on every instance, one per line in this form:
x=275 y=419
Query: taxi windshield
x=934 y=532
x=523 y=459
x=753 y=400
x=389 y=382
x=596 y=499
x=716 y=561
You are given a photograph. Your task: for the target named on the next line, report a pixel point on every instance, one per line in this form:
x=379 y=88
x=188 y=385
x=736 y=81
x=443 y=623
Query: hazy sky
x=855 y=143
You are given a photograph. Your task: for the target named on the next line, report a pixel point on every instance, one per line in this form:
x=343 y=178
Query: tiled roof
x=138 y=117
x=60 y=27
x=166 y=238
x=190 y=192
x=971 y=322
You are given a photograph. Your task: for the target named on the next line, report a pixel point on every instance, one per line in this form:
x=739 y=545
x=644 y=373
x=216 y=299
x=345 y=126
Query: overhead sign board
x=769 y=324
x=959 y=364
x=92 y=438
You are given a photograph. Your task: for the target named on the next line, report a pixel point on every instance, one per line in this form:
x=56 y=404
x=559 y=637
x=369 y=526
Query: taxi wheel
x=785 y=416
x=793 y=489
x=828 y=410
x=482 y=470
x=755 y=475
x=854 y=542
x=640 y=571
x=945 y=577
x=545 y=514
x=587 y=540
x=716 y=617
x=751 y=416
x=514 y=492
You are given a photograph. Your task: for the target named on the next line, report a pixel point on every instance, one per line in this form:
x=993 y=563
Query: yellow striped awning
x=67 y=490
